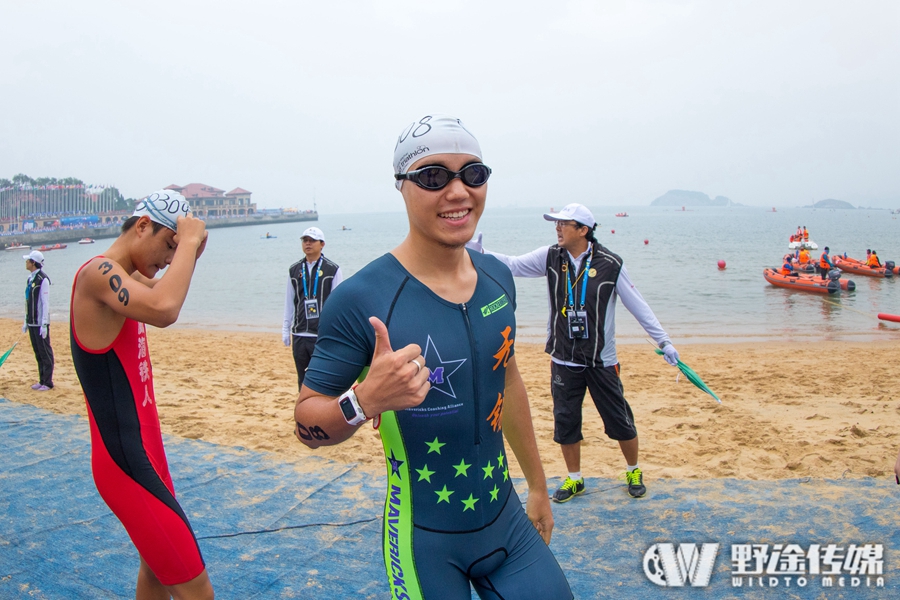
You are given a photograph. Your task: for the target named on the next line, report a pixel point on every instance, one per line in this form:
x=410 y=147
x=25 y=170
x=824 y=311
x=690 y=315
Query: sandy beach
x=824 y=410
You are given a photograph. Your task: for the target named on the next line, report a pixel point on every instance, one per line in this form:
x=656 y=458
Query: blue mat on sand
x=269 y=529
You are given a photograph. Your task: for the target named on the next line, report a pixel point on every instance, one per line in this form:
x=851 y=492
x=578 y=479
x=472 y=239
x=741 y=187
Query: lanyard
x=28 y=283
x=570 y=286
x=315 y=281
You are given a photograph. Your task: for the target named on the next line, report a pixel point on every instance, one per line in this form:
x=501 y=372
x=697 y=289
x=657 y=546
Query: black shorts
x=302 y=347
x=568 y=386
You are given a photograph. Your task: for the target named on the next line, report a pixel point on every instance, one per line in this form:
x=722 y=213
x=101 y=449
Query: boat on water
x=858 y=267
x=86 y=241
x=18 y=247
x=622 y=214
x=53 y=247
x=805 y=268
x=810 y=283
x=808 y=244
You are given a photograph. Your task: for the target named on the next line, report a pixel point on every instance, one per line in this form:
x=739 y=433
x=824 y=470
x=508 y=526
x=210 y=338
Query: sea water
x=241 y=280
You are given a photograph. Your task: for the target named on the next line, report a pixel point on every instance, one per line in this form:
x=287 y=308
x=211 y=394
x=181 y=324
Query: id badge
x=312 y=309
x=577 y=321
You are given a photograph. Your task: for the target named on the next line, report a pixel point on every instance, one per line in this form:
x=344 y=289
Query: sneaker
x=635 y=481
x=43 y=388
x=36 y=386
x=569 y=490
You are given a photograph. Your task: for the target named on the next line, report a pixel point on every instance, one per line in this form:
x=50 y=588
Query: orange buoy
x=721 y=264
x=887 y=317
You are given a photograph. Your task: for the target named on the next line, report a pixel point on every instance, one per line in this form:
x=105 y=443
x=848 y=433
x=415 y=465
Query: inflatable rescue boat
x=852 y=265
x=810 y=283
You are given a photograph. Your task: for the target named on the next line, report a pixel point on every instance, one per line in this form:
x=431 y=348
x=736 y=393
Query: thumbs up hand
x=396 y=379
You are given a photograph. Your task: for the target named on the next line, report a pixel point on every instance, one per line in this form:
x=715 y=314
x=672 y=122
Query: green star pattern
x=425 y=474
x=444 y=495
x=434 y=446
x=461 y=468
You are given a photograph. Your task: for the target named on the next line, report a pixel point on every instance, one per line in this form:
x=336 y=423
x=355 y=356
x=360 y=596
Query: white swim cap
x=163 y=207
x=432 y=134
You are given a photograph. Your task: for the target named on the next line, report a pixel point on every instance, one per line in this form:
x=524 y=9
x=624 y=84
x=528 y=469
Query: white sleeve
x=44 y=304
x=337 y=279
x=637 y=306
x=288 y=309
x=533 y=264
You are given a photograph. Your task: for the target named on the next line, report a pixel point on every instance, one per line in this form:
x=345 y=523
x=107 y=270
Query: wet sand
x=826 y=410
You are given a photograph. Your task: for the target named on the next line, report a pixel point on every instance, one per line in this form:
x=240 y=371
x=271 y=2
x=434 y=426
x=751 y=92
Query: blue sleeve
x=346 y=341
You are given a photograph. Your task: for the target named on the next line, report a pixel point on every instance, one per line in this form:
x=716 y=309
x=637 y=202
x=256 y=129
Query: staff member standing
x=310 y=282
x=584 y=278
x=37 y=319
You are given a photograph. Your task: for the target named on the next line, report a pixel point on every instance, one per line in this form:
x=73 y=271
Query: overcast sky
x=607 y=103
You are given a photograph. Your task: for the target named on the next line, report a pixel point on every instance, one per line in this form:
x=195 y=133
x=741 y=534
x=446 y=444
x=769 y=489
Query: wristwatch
x=353 y=412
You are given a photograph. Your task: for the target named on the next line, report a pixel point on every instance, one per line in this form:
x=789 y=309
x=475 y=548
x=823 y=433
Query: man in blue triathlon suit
x=446 y=396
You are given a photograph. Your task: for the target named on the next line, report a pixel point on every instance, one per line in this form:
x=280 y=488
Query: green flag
x=692 y=377
x=6 y=354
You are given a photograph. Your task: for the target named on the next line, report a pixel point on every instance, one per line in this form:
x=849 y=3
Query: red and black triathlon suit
x=127 y=458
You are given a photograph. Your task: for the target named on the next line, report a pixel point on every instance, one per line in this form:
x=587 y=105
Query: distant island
x=830 y=203
x=685 y=198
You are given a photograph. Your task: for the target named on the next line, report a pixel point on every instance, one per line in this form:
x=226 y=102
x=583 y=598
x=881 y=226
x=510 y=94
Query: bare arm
x=392 y=383
x=159 y=303
x=519 y=432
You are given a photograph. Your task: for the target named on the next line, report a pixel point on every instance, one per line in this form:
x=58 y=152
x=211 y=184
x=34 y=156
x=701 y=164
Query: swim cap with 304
x=163 y=207
x=432 y=134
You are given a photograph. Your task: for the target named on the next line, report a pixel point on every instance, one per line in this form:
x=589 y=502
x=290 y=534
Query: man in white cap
x=310 y=282
x=584 y=278
x=114 y=297
x=37 y=319
x=449 y=394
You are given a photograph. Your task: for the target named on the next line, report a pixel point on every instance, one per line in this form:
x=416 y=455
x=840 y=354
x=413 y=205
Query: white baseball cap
x=35 y=256
x=314 y=233
x=573 y=212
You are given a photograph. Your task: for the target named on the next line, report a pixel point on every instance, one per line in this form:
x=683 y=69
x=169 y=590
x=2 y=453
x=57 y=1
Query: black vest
x=600 y=287
x=327 y=270
x=34 y=297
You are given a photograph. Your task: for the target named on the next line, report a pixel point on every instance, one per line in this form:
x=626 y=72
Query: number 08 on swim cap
x=432 y=134
x=163 y=207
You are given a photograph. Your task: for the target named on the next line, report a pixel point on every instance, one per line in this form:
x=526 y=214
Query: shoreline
x=789 y=409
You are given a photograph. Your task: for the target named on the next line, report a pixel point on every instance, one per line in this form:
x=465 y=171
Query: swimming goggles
x=436 y=177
